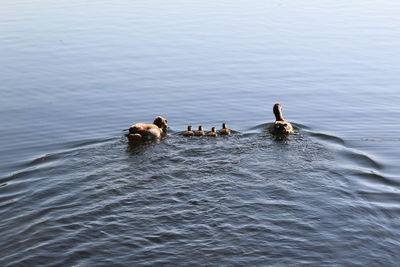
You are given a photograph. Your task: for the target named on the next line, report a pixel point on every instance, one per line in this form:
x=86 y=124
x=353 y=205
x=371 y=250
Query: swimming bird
x=213 y=132
x=225 y=130
x=280 y=126
x=148 y=131
x=200 y=131
x=189 y=131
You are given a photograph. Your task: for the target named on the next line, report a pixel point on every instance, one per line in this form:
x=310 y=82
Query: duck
x=225 y=130
x=213 y=132
x=189 y=131
x=148 y=131
x=200 y=131
x=280 y=126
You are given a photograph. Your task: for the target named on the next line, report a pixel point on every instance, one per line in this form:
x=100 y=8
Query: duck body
x=280 y=126
x=225 y=130
x=148 y=131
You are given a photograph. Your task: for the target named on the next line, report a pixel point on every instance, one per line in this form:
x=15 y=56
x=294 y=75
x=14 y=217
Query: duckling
x=156 y=130
x=280 y=126
x=213 y=132
x=189 y=131
x=200 y=131
x=225 y=130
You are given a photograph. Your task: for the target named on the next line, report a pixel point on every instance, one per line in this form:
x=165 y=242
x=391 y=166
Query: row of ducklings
x=200 y=132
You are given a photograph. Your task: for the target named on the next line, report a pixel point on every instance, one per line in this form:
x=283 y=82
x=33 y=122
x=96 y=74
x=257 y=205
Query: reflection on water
x=74 y=75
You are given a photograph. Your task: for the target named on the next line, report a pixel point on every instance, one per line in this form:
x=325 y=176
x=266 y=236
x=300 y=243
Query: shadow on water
x=141 y=148
x=265 y=126
x=243 y=196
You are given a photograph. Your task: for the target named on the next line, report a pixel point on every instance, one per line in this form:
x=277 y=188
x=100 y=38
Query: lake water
x=75 y=74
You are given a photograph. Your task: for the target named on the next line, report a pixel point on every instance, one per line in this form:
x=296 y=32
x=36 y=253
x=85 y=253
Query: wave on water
x=246 y=198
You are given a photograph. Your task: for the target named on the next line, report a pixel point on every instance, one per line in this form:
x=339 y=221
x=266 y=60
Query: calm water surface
x=74 y=74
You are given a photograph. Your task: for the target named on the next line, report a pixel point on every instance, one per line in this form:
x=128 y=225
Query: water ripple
x=245 y=195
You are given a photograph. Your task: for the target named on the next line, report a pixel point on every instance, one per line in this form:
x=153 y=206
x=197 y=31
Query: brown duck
x=280 y=126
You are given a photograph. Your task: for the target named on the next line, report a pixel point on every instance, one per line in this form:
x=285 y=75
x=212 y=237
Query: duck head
x=161 y=122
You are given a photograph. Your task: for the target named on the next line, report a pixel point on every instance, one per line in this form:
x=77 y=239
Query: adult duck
x=148 y=131
x=280 y=126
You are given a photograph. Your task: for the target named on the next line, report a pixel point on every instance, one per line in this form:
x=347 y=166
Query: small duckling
x=189 y=131
x=280 y=126
x=225 y=130
x=200 y=131
x=213 y=132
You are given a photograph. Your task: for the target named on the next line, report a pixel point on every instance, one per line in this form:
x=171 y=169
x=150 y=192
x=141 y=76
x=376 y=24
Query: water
x=75 y=74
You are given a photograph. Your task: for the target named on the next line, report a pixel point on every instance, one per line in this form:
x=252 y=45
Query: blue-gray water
x=74 y=74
